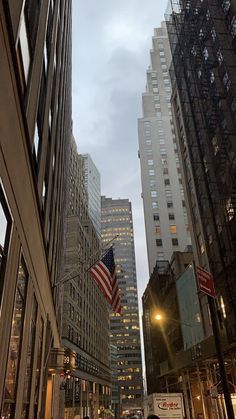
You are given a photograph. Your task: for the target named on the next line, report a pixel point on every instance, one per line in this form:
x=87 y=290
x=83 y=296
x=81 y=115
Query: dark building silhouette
x=202 y=36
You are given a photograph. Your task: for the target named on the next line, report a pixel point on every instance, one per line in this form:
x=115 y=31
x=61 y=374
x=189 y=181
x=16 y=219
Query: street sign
x=205 y=282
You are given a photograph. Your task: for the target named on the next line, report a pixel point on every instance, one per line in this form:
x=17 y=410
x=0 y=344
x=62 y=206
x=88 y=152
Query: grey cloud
x=108 y=80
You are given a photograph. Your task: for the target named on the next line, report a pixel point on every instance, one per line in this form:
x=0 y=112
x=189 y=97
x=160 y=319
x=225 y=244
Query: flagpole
x=65 y=279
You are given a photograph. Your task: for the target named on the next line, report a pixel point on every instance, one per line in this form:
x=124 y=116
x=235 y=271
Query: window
x=163 y=151
x=165 y=170
x=171 y=216
x=23 y=51
x=156 y=217
x=154 y=194
x=168 y=193
x=154 y=205
x=32 y=9
x=201 y=244
x=175 y=242
x=173 y=229
x=151 y=172
x=37 y=142
x=150 y=162
x=5 y=230
x=29 y=361
x=38 y=367
x=149 y=142
x=155 y=89
x=15 y=342
x=152 y=183
x=167 y=181
x=160 y=256
x=158 y=242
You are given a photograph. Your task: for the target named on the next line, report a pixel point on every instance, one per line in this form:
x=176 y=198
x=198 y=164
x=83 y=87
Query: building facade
x=93 y=188
x=165 y=214
x=35 y=125
x=204 y=108
x=85 y=319
x=125 y=331
x=180 y=355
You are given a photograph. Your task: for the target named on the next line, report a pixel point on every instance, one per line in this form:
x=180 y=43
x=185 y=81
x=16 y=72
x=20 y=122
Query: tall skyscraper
x=35 y=126
x=162 y=192
x=85 y=320
x=125 y=331
x=93 y=187
x=204 y=108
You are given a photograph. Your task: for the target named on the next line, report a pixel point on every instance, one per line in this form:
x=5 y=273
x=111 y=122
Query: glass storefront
x=15 y=342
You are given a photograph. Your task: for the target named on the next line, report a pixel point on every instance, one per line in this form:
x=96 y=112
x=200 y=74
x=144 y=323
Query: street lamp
x=160 y=317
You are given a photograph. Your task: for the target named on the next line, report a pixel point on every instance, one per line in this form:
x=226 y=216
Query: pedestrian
x=153 y=417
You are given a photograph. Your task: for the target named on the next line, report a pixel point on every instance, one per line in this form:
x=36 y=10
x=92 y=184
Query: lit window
x=154 y=205
x=173 y=229
x=153 y=194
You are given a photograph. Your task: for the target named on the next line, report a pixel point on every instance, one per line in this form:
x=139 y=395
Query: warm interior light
x=158 y=317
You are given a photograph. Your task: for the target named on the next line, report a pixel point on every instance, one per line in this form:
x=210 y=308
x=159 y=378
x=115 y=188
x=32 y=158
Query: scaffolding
x=202 y=35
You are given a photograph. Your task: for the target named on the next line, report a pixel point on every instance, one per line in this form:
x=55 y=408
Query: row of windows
x=34 y=347
x=174 y=242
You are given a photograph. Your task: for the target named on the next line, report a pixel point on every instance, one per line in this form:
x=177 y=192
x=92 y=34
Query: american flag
x=105 y=276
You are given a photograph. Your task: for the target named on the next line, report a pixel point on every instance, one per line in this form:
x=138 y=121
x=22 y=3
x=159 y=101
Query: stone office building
x=35 y=124
x=85 y=321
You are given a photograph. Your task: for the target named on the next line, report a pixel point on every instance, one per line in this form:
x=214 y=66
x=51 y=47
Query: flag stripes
x=104 y=274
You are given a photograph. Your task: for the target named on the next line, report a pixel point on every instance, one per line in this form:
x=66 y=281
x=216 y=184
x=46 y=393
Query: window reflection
x=15 y=342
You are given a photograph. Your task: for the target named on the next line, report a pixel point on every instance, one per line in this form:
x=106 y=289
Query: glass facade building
x=125 y=330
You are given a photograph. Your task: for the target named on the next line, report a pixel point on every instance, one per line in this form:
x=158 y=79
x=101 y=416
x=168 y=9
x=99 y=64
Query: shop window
x=15 y=342
x=38 y=367
x=29 y=361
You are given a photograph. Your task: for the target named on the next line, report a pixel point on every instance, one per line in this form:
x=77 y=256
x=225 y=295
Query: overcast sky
x=111 y=43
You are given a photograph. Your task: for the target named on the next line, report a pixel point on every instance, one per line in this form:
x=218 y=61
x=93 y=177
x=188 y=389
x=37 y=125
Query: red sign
x=205 y=282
